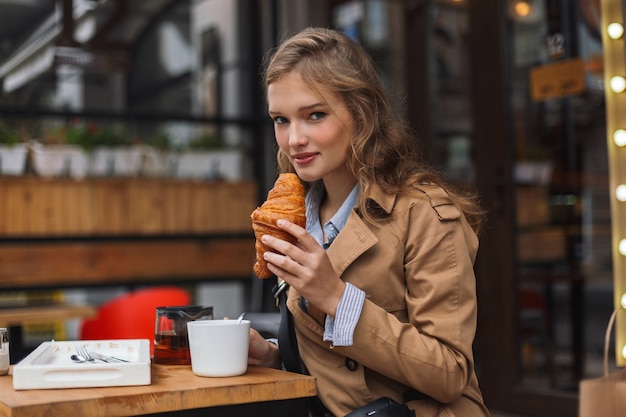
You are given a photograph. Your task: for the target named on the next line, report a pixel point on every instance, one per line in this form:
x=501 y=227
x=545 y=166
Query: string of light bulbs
x=615 y=80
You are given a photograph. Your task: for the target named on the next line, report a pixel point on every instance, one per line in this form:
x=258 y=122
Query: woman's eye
x=279 y=120
x=318 y=115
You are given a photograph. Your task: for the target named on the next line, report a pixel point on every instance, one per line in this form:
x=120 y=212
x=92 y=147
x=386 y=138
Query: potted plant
x=54 y=156
x=13 y=151
x=110 y=149
x=208 y=157
x=158 y=157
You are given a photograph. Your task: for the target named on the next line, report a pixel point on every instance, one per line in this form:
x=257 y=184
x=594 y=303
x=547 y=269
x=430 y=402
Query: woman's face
x=312 y=126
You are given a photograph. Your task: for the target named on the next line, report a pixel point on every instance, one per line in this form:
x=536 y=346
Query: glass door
x=545 y=270
x=564 y=266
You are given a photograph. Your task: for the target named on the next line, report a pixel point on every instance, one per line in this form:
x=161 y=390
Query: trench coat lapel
x=354 y=239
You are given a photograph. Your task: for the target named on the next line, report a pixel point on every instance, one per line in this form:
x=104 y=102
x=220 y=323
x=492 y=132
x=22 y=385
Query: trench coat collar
x=385 y=200
x=356 y=237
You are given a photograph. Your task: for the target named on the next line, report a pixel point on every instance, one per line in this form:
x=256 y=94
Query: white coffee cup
x=218 y=347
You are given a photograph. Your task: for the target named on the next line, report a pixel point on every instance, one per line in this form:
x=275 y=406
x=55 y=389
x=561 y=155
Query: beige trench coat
x=419 y=319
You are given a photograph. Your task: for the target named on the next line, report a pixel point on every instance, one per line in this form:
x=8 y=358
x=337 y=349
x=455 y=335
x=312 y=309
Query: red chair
x=132 y=315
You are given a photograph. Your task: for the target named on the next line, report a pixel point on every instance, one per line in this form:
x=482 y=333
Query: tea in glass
x=171 y=343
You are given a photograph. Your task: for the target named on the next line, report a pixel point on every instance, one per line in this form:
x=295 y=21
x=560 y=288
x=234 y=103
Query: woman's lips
x=304 y=158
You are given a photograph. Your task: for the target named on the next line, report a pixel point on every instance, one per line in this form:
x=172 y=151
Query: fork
x=84 y=353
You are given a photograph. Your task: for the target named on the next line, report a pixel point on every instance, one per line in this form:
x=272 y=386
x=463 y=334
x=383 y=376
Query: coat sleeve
x=429 y=346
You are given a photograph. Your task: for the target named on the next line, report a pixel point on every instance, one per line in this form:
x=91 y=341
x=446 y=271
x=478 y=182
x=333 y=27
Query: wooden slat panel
x=57 y=264
x=145 y=201
x=81 y=208
x=31 y=203
x=177 y=207
x=10 y=217
x=108 y=207
x=111 y=208
x=50 y=199
x=203 y=203
x=234 y=207
x=4 y=208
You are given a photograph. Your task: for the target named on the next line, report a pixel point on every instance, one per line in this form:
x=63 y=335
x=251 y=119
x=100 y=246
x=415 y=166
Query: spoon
x=78 y=359
x=241 y=316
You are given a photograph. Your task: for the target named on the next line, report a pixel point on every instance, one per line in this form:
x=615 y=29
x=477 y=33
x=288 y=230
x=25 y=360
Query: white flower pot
x=123 y=161
x=59 y=161
x=226 y=165
x=153 y=162
x=13 y=159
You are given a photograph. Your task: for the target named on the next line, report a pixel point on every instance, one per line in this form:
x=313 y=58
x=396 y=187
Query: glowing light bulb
x=623 y=301
x=615 y=30
x=619 y=137
x=522 y=8
x=618 y=84
x=620 y=192
x=624 y=352
x=622 y=247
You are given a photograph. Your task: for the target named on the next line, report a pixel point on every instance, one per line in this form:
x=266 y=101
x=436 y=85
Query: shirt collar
x=332 y=228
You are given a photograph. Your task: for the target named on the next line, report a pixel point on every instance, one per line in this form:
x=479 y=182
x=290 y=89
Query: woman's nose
x=297 y=135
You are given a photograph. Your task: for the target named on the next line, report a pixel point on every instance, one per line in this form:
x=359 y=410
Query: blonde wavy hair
x=384 y=149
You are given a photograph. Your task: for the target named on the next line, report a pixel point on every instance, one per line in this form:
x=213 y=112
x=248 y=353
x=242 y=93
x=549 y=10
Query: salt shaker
x=4 y=351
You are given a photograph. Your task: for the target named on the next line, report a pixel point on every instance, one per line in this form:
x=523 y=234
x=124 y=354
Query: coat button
x=351 y=364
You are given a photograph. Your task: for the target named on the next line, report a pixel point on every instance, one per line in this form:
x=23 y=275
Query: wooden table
x=174 y=390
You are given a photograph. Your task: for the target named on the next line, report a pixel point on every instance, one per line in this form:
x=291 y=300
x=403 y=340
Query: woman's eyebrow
x=302 y=108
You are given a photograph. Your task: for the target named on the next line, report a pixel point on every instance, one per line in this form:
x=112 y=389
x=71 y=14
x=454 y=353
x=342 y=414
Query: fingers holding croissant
x=284 y=201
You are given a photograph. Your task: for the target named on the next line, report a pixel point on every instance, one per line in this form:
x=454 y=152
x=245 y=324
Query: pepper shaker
x=4 y=351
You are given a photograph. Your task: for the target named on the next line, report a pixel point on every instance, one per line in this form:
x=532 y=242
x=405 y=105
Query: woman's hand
x=261 y=352
x=306 y=267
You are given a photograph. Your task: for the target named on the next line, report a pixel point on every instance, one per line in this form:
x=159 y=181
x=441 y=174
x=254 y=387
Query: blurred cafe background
x=134 y=144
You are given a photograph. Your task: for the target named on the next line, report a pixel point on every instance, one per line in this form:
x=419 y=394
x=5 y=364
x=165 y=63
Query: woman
x=382 y=288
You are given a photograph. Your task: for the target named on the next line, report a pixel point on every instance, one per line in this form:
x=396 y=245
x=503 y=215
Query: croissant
x=284 y=201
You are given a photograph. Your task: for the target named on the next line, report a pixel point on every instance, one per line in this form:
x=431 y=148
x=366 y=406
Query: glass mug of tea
x=171 y=343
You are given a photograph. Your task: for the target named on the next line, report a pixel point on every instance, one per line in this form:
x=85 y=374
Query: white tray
x=50 y=365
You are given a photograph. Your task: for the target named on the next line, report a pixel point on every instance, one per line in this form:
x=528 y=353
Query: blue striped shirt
x=339 y=330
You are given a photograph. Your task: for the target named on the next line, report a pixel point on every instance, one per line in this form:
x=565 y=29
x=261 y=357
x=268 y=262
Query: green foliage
x=206 y=141
x=91 y=135
x=8 y=136
x=160 y=141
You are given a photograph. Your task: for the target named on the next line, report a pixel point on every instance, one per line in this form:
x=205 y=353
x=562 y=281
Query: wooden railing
x=64 y=232
x=122 y=207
